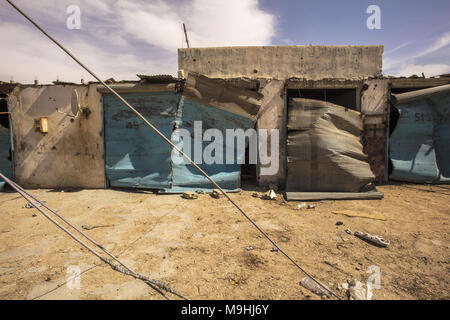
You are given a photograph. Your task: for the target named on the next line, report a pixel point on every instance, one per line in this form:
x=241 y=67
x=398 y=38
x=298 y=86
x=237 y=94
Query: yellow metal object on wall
x=43 y=125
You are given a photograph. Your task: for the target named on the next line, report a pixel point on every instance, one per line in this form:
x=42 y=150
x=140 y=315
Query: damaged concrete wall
x=271 y=116
x=71 y=153
x=282 y=62
x=375 y=99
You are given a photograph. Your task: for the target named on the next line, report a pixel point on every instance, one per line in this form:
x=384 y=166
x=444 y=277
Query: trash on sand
x=274 y=249
x=375 y=239
x=311 y=206
x=216 y=193
x=90 y=227
x=312 y=286
x=270 y=195
x=357 y=291
x=29 y=205
x=348 y=231
x=339 y=223
x=189 y=195
x=300 y=206
x=350 y=213
x=248 y=248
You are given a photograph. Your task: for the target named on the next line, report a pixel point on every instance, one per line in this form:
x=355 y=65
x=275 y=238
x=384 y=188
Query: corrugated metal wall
x=420 y=142
x=135 y=156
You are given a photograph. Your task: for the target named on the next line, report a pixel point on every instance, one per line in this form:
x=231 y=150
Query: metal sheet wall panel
x=135 y=156
x=324 y=152
x=227 y=176
x=5 y=154
x=419 y=144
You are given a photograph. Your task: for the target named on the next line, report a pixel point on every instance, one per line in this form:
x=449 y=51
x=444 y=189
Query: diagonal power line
x=173 y=146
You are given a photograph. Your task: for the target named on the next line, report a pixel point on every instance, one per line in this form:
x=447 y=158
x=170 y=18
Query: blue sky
x=119 y=38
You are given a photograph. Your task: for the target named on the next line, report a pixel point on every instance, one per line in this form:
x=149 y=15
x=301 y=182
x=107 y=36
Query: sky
x=121 y=38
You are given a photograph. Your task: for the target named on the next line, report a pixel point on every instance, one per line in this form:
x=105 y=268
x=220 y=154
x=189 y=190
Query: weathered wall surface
x=282 y=62
x=375 y=108
x=271 y=116
x=71 y=153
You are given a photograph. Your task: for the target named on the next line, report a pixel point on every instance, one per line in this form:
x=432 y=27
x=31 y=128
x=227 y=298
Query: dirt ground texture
x=200 y=247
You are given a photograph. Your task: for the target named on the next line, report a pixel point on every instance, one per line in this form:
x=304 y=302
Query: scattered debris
x=90 y=227
x=270 y=195
x=311 y=206
x=200 y=191
x=348 y=231
x=248 y=248
x=30 y=206
x=255 y=195
x=274 y=249
x=189 y=195
x=374 y=239
x=357 y=291
x=350 y=213
x=339 y=223
x=34 y=215
x=300 y=206
x=216 y=193
x=312 y=286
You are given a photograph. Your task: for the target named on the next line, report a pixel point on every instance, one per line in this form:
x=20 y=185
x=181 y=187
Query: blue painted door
x=135 y=156
x=6 y=165
x=227 y=176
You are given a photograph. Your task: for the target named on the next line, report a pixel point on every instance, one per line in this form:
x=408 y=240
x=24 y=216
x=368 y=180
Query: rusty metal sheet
x=324 y=151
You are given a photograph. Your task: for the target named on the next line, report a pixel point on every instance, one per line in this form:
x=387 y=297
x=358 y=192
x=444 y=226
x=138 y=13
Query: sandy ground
x=198 y=247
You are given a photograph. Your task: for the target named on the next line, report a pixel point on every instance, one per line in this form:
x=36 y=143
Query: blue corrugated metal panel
x=227 y=176
x=135 y=156
x=5 y=155
x=419 y=144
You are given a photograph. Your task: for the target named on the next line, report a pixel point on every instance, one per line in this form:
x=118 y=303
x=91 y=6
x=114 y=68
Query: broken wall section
x=71 y=153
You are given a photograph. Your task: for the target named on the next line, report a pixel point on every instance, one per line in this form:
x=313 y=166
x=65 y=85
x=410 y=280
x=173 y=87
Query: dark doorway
x=343 y=97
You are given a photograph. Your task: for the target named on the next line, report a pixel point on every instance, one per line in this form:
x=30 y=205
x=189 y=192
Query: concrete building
x=54 y=144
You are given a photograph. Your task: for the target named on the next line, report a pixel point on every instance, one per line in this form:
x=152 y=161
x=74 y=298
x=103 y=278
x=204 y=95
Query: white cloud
x=417 y=59
x=120 y=38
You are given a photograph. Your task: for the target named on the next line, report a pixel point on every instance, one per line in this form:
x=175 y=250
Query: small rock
x=311 y=206
x=255 y=195
x=34 y=215
x=248 y=248
x=348 y=231
x=274 y=249
x=216 y=194
x=270 y=195
x=189 y=195
x=300 y=206
x=339 y=223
